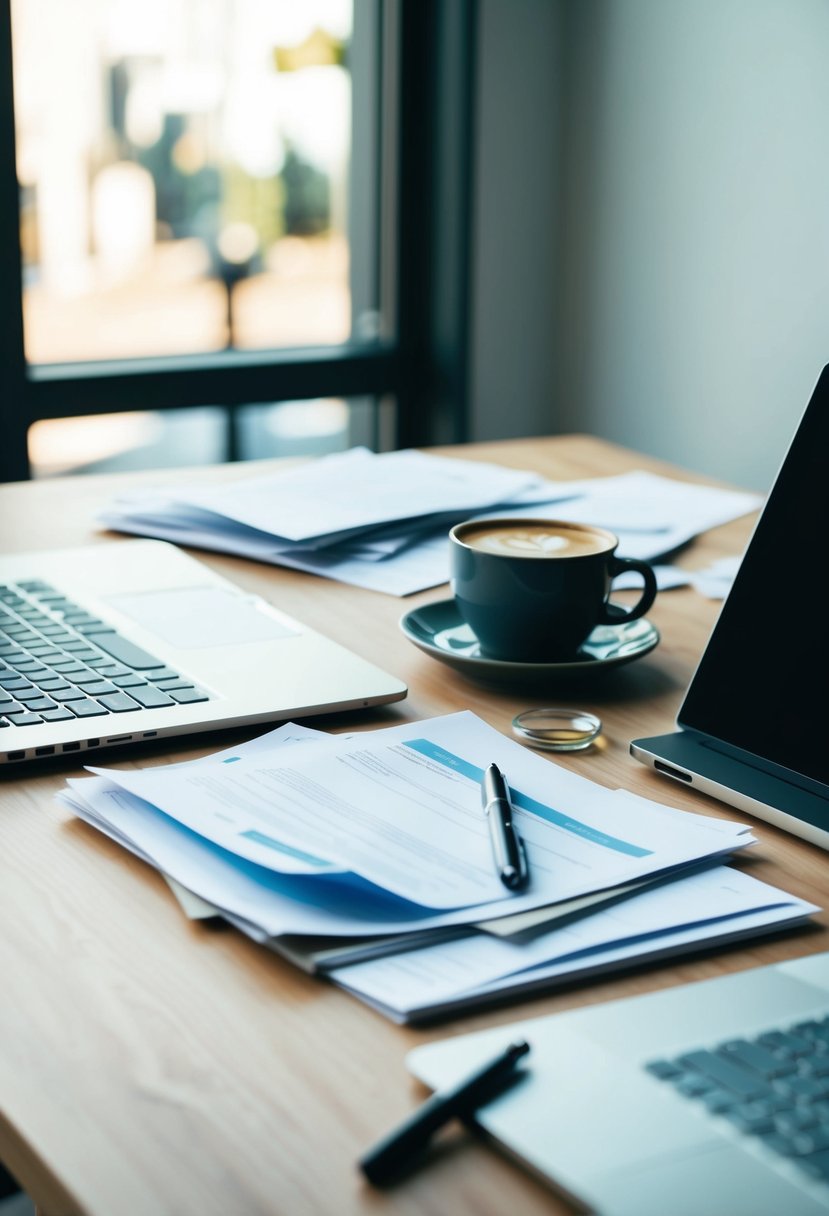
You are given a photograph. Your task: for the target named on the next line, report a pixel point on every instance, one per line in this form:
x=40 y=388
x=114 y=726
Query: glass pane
x=109 y=443
x=184 y=169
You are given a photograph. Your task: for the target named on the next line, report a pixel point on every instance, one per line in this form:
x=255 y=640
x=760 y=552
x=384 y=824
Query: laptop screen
x=763 y=681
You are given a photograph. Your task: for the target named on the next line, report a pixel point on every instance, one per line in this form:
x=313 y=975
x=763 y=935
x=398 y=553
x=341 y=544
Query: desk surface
x=151 y=1065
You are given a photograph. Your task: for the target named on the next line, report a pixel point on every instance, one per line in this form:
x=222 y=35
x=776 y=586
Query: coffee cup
x=532 y=590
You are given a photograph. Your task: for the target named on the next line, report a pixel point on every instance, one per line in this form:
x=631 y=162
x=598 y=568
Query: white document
x=267 y=903
x=193 y=906
x=380 y=522
x=357 y=489
x=401 y=809
x=688 y=909
x=651 y=515
x=646 y=502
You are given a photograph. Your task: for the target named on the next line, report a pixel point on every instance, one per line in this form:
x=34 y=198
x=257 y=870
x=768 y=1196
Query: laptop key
x=727 y=1075
x=816 y=1165
x=64 y=664
x=798 y=1119
x=38 y=674
x=59 y=714
x=87 y=709
x=53 y=684
x=36 y=704
x=718 y=1101
x=16 y=685
x=59 y=635
x=28 y=666
x=188 y=696
x=815 y=1066
x=112 y=669
x=118 y=702
x=813 y=1140
x=130 y=681
x=750 y=1120
x=756 y=1058
x=785 y=1043
x=24 y=719
x=160 y=674
x=99 y=689
x=124 y=651
x=802 y=1087
x=85 y=677
x=93 y=658
x=151 y=698
x=693 y=1085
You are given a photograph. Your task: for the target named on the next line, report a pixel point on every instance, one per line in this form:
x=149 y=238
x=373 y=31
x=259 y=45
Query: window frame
x=426 y=52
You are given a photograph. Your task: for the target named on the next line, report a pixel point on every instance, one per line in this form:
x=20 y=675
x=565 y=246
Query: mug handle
x=616 y=614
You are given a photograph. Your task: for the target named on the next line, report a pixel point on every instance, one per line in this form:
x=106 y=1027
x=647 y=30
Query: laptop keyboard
x=58 y=662
x=774 y=1088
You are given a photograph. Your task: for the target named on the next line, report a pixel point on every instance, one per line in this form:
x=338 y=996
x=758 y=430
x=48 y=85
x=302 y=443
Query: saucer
x=439 y=630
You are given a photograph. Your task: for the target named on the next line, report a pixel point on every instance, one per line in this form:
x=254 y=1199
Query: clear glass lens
x=557 y=730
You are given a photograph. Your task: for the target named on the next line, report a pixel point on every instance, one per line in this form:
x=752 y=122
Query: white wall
x=516 y=166
x=690 y=310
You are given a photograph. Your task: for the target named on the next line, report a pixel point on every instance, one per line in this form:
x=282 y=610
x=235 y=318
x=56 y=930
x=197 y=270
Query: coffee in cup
x=532 y=590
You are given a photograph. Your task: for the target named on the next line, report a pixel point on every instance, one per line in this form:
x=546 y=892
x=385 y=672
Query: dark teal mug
x=532 y=590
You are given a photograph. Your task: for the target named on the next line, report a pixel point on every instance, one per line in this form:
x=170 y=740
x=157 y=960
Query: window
x=226 y=203
x=183 y=170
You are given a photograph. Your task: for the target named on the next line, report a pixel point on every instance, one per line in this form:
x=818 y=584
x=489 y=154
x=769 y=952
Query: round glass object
x=557 y=730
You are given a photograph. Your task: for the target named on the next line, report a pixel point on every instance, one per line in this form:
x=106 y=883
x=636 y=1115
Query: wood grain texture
x=151 y=1065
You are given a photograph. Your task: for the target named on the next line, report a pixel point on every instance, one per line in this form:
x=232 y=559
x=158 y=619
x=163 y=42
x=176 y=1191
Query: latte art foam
x=535 y=540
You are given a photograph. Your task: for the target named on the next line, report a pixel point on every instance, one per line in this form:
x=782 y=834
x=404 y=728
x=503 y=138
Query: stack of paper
x=381 y=521
x=368 y=857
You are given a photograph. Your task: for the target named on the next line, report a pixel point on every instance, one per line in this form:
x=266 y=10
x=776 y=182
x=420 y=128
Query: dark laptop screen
x=763 y=682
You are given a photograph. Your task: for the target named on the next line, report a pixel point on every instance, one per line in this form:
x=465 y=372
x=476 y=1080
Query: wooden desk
x=149 y=1065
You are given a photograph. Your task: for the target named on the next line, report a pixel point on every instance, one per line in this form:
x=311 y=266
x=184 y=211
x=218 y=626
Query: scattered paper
x=381 y=522
x=402 y=810
x=436 y=976
x=401 y=807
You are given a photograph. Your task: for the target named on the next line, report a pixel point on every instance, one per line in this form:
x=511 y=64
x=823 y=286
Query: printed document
x=401 y=809
x=261 y=834
x=716 y=905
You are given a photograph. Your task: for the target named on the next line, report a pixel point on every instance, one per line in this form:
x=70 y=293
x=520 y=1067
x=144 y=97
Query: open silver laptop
x=752 y=727
x=135 y=640
x=709 y=1099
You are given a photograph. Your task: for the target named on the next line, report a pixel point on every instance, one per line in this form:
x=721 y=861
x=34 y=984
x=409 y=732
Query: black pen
x=510 y=858
x=395 y=1152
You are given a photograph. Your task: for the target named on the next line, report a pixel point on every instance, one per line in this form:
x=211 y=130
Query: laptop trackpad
x=192 y=618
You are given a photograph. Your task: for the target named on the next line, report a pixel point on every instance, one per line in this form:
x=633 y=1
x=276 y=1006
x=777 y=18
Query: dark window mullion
x=435 y=134
x=14 y=417
x=56 y=390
